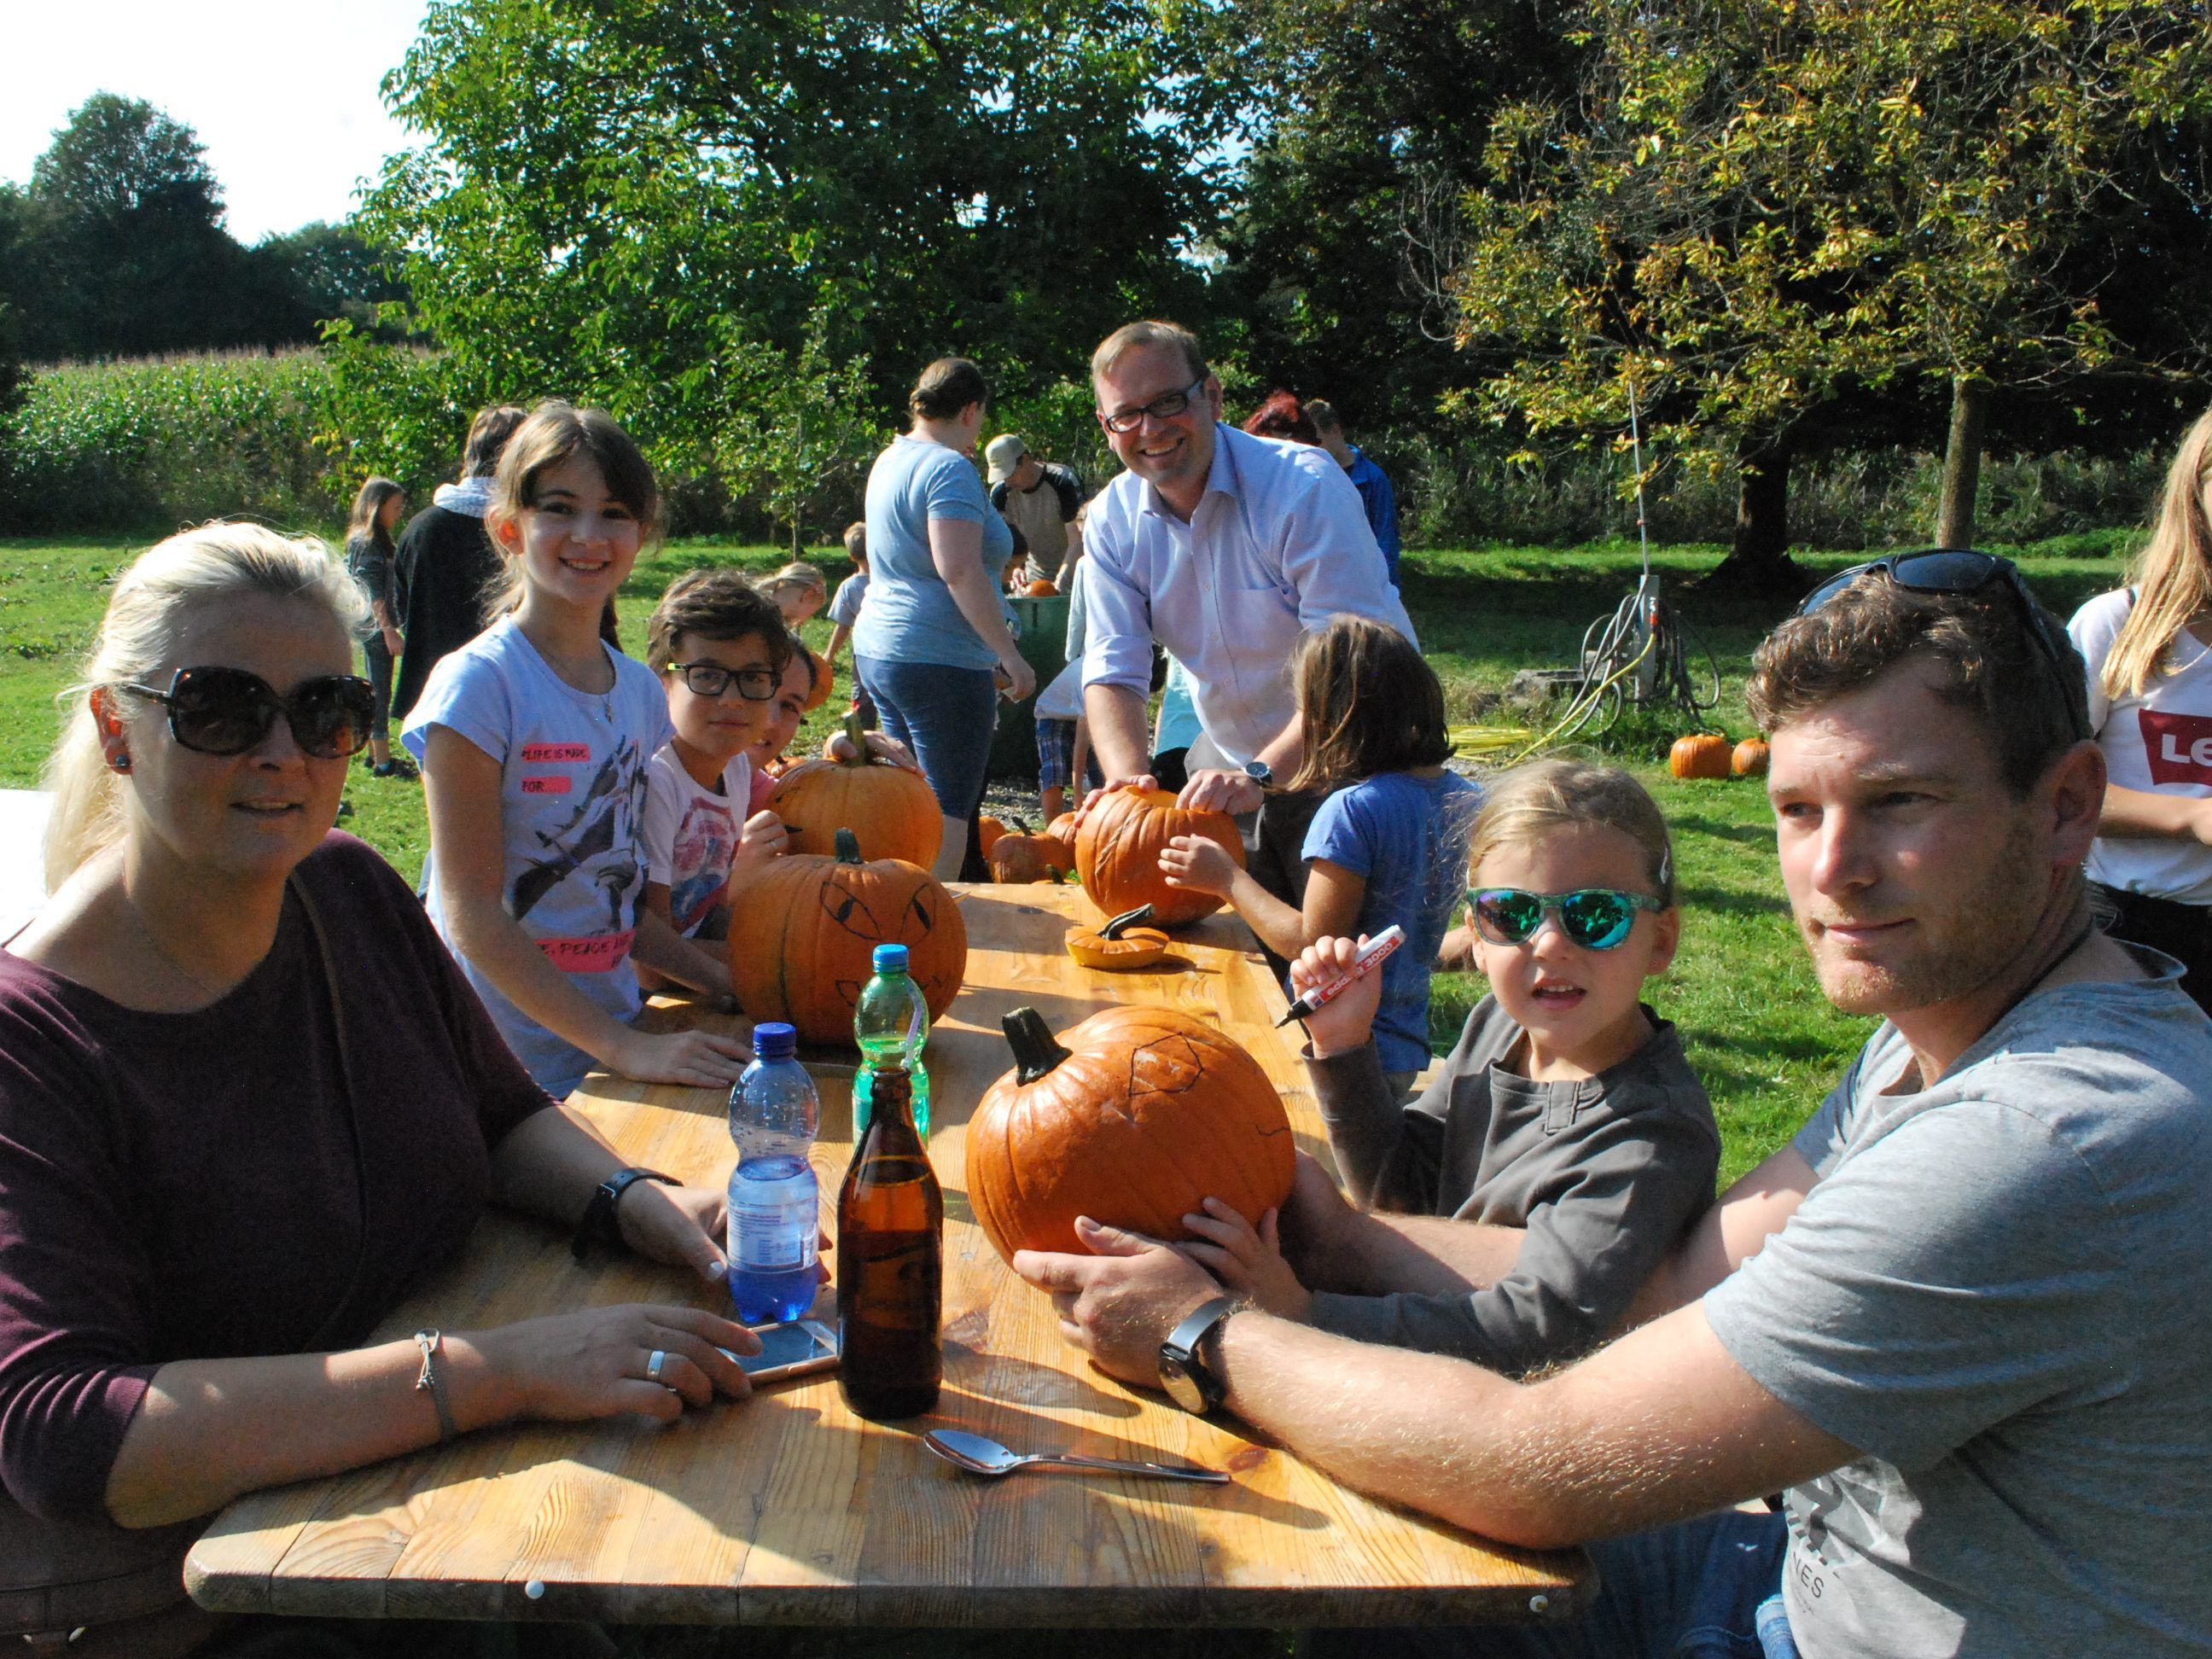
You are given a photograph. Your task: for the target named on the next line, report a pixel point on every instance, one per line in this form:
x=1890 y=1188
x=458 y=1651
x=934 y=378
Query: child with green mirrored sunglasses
x=1562 y=1148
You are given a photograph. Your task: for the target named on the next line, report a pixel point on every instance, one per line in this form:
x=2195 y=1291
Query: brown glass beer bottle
x=891 y=1262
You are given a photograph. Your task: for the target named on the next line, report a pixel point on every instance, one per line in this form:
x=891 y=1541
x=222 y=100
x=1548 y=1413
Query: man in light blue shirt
x=1225 y=549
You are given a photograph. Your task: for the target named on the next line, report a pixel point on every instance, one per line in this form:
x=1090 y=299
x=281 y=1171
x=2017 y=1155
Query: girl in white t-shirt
x=534 y=739
x=2149 y=650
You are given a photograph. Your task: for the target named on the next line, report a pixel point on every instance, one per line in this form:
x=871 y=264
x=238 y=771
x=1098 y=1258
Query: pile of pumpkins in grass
x=1707 y=755
x=1131 y=1117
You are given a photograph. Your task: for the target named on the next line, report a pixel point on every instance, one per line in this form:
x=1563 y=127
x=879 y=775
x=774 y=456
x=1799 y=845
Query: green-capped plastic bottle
x=891 y=1024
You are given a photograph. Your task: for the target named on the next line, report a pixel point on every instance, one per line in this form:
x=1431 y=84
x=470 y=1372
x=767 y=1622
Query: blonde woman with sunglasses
x=247 y=1102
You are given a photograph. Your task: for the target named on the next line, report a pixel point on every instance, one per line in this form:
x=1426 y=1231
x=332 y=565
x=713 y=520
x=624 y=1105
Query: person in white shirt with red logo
x=2149 y=650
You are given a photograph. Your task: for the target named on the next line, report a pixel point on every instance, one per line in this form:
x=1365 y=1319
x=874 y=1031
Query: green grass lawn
x=1752 y=1020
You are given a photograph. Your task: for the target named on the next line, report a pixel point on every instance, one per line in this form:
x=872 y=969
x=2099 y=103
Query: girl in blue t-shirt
x=534 y=740
x=1387 y=845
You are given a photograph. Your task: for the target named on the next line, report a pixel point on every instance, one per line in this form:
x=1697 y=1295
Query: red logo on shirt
x=556 y=754
x=2180 y=747
x=556 y=785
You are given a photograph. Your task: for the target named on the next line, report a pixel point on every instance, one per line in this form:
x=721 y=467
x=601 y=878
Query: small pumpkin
x=1062 y=829
x=1699 y=755
x=1749 y=760
x=1040 y=589
x=1130 y=1118
x=1017 y=857
x=1123 y=943
x=802 y=944
x=825 y=679
x=1117 y=853
x=987 y=831
x=892 y=812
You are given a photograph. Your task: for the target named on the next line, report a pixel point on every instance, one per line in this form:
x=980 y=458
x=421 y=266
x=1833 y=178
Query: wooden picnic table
x=785 y=1509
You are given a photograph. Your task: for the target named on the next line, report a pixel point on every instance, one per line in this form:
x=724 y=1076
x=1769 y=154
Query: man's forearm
x=1117 y=730
x=1285 y=751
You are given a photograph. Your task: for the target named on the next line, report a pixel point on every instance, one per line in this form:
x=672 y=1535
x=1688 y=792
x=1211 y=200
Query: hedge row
x=143 y=447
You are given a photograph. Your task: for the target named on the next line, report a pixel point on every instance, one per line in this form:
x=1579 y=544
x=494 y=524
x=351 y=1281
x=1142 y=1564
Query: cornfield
x=153 y=444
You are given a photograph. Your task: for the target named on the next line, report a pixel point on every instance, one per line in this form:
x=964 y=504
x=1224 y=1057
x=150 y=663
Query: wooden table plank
x=786 y=1508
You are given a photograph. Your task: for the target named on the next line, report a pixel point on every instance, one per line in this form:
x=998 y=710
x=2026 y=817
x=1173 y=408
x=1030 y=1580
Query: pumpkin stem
x=856 y=737
x=1036 y=1051
x=849 y=847
x=1021 y=826
x=1128 y=919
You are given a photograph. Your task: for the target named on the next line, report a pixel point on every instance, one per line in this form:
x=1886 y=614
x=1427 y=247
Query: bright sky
x=283 y=93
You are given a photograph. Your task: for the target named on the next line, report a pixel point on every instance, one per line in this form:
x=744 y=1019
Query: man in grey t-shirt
x=1962 y=1319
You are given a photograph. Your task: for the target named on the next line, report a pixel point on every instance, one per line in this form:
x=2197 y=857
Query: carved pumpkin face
x=1131 y=1118
x=802 y=939
x=1117 y=853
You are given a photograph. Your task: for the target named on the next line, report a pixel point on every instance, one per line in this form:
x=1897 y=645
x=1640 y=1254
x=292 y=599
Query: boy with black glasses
x=719 y=647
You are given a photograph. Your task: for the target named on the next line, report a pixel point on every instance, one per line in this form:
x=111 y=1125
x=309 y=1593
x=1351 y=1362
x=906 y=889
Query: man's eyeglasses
x=228 y=711
x=1595 y=918
x=1165 y=407
x=711 y=679
x=1960 y=570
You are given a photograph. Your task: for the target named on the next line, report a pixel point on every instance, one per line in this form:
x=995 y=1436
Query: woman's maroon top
x=219 y=1184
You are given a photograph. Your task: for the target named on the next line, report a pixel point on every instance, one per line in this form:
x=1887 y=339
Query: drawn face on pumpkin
x=884 y=906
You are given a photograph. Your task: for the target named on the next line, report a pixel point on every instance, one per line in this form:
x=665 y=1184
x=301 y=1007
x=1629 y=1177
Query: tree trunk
x=1962 y=462
x=1759 y=565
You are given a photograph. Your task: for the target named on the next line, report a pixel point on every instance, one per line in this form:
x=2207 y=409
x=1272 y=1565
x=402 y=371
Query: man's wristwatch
x=1260 y=773
x=1190 y=1357
x=600 y=1226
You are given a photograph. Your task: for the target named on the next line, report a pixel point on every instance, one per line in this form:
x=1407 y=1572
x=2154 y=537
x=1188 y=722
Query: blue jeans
x=946 y=715
x=1692 y=1591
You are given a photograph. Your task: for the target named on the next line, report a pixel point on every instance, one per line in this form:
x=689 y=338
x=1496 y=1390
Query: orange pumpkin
x=1122 y=944
x=1019 y=856
x=1062 y=829
x=801 y=944
x=1749 y=760
x=825 y=680
x=1131 y=1118
x=1040 y=589
x=1117 y=853
x=987 y=831
x=1700 y=755
x=892 y=812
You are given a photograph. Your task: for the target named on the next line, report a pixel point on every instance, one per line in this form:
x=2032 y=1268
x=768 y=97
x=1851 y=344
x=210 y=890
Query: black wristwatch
x=1189 y=1359
x=600 y=1226
x=1260 y=773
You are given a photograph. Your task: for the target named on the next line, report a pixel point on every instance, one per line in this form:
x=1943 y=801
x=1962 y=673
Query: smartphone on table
x=801 y=1348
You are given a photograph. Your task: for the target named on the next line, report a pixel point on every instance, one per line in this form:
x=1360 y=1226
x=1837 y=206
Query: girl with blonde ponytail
x=247 y=1104
x=2148 y=648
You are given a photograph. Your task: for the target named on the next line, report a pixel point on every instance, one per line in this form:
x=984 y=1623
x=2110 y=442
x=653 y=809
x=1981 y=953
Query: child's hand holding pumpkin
x=1248 y=1260
x=1199 y=864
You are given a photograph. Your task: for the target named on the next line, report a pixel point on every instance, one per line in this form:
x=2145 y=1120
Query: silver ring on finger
x=659 y=1358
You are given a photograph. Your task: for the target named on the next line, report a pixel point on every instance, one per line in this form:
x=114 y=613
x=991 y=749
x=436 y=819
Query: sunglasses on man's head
x=1956 y=570
x=1595 y=918
x=228 y=711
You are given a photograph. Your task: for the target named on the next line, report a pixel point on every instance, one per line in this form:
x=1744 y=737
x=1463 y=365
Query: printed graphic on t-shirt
x=602 y=953
x=2178 y=746
x=599 y=837
x=705 y=843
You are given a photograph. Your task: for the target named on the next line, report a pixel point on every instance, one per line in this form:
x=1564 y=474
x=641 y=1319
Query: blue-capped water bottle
x=891 y=1023
x=775 y=1224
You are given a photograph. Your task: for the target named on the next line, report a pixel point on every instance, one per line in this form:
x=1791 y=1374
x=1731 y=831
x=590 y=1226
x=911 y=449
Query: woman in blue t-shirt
x=1388 y=847
x=932 y=647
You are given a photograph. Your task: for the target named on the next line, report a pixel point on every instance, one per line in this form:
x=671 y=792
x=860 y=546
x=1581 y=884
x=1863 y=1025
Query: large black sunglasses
x=228 y=711
x=1962 y=570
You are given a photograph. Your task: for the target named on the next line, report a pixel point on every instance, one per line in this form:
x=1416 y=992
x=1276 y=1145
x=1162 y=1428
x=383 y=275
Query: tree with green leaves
x=122 y=251
x=613 y=192
x=1771 y=219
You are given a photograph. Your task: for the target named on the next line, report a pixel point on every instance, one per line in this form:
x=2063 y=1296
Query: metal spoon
x=980 y=1456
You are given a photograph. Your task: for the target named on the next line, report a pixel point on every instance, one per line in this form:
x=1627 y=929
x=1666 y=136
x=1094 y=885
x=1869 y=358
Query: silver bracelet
x=433 y=1382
